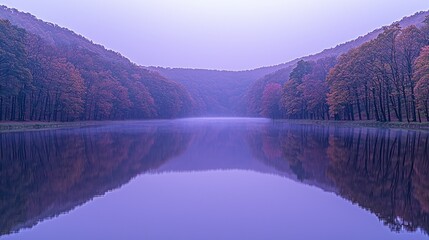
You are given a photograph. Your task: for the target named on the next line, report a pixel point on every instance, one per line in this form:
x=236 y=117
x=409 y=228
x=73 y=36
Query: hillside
x=134 y=92
x=280 y=73
x=61 y=76
x=216 y=93
x=240 y=92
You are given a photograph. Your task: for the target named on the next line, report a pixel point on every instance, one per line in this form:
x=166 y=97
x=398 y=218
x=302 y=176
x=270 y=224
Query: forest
x=49 y=73
x=61 y=76
x=385 y=79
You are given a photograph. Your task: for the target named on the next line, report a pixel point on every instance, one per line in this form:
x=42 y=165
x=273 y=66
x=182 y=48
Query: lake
x=214 y=178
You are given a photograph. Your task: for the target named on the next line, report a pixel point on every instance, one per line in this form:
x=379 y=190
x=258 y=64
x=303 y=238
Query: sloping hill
x=280 y=73
x=240 y=92
x=72 y=78
x=216 y=93
x=205 y=92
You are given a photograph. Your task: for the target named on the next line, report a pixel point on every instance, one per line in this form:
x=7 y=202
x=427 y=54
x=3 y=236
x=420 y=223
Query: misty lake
x=218 y=178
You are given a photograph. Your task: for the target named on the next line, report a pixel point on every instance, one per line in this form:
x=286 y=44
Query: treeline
x=380 y=79
x=256 y=104
x=58 y=81
x=385 y=79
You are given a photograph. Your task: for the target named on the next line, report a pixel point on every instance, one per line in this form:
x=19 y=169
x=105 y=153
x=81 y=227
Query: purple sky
x=219 y=34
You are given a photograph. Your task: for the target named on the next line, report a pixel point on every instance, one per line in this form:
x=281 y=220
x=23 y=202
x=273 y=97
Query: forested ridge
x=216 y=93
x=304 y=85
x=49 y=73
x=385 y=79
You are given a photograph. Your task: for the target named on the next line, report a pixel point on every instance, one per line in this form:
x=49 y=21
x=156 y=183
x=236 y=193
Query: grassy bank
x=374 y=124
x=28 y=126
x=32 y=126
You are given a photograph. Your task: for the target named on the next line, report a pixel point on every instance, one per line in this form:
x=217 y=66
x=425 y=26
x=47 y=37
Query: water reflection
x=46 y=173
x=383 y=171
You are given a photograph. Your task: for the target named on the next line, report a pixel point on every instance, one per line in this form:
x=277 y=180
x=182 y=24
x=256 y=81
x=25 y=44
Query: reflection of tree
x=265 y=145
x=303 y=147
x=43 y=174
x=300 y=149
x=385 y=172
x=421 y=177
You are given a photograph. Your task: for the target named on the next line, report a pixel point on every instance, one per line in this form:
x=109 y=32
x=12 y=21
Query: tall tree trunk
x=327 y=112
x=1 y=108
x=395 y=109
x=420 y=117
x=377 y=116
x=22 y=100
x=358 y=106
x=366 y=103
x=383 y=113
x=413 y=102
x=400 y=108
x=427 y=111
x=404 y=95
x=12 y=108
x=388 y=107
x=46 y=113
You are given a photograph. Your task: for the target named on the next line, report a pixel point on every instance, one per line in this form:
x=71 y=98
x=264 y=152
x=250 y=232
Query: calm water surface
x=214 y=179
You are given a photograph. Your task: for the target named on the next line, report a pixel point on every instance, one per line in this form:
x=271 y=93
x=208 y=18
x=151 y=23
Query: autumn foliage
x=384 y=79
x=73 y=79
x=377 y=80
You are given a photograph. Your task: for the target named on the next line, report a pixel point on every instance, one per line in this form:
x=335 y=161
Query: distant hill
x=240 y=92
x=216 y=93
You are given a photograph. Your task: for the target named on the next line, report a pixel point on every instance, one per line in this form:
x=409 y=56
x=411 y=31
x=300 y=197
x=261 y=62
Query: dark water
x=214 y=179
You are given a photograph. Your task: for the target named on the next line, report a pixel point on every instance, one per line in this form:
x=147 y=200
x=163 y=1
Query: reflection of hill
x=383 y=171
x=39 y=181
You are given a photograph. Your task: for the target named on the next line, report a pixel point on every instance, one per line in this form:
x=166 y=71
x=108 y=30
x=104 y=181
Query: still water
x=214 y=179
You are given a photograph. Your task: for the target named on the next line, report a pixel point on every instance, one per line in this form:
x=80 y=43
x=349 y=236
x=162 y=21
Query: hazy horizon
x=221 y=35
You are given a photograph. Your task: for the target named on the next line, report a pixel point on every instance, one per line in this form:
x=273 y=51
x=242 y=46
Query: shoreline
x=11 y=126
x=364 y=123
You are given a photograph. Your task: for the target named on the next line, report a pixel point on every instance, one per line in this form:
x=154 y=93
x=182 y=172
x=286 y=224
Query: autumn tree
x=15 y=77
x=421 y=81
x=377 y=78
x=304 y=95
x=409 y=42
x=292 y=98
x=271 y=100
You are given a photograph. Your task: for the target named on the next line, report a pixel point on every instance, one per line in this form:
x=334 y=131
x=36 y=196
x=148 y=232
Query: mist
x=222 y=34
